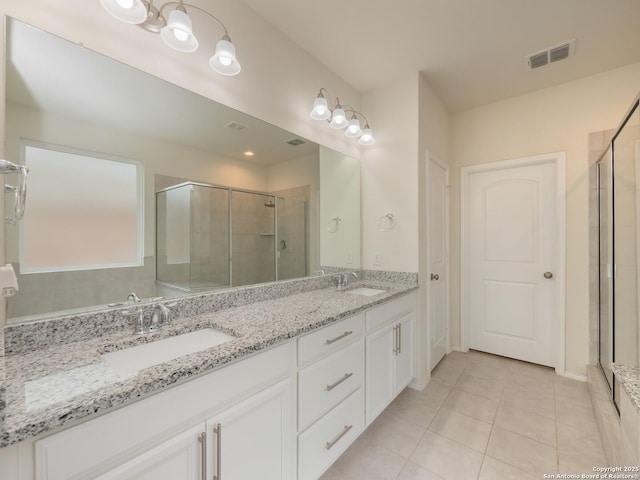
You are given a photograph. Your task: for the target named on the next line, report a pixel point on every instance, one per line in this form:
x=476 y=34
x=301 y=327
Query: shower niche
x=211 y=237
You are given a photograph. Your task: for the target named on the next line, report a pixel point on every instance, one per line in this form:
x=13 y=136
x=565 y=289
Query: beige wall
x=550 y=120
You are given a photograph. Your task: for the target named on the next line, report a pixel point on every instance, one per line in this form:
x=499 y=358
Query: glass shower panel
x=209 y=237
x=605 y=255
x=253 y=238
x=173 y=226
x=192 y=237
x=292 y=238
x=626 y=148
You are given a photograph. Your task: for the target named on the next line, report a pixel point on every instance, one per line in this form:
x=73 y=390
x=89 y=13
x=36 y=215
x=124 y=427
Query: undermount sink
x=136 y=358
x=365 y=291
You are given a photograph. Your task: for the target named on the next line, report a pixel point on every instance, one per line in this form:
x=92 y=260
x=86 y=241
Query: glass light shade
x=367 y=137
x=127 y=11
x=178 y=33
x=320 y=109
x=353 y=129
x=338 y=119
x=224 y=59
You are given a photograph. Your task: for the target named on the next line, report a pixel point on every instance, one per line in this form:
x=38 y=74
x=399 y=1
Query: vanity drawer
x=329 y=339
x=326 y=383
x=387 y=312
x=330 y=436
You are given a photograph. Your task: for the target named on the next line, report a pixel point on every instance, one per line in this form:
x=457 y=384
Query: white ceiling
x=472 y=51
x=51 y=74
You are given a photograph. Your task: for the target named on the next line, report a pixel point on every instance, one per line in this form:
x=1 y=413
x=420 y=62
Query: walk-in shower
x=211 y=237
x=618 y=201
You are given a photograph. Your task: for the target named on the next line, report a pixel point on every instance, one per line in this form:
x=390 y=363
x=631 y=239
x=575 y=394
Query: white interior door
x=511 y=261
x=438 y=262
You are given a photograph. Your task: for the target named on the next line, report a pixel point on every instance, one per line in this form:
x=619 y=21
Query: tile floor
x=481 y=417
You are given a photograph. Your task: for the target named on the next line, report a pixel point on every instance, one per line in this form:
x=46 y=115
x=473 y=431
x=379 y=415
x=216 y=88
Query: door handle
x=435 y=276
x=548 y=275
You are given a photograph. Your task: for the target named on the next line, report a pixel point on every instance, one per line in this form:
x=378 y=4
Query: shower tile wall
x=252 y=249
x=49 y=292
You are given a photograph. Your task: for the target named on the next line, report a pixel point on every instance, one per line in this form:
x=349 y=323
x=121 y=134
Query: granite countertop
x=629 y=379
x=48 y=387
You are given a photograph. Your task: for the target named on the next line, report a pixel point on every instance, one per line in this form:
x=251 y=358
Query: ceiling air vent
x=538 y=60
x=237 y=126
x=296 y=141
x=553 y=54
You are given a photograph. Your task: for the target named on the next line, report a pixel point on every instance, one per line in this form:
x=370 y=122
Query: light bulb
x=224 y=59
x=181 y=35
x=338 y=119
x=178 y=33
x=128 y=11
x=353 y=130
x=320 y=109
x=367 y=137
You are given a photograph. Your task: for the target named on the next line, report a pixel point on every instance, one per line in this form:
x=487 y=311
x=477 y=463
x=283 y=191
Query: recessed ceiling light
x=249 y=153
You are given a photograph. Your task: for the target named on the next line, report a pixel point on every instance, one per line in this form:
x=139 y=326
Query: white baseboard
x=573 y=376
x=455 y=348
x=420 y=383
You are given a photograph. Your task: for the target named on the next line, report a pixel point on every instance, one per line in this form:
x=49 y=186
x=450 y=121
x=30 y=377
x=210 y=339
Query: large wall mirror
x=137 y=185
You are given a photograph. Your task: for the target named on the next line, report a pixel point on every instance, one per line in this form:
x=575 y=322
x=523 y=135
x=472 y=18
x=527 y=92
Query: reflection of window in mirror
x=83 y=211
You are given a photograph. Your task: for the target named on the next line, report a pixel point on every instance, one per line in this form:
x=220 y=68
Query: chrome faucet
x=133 y=297
x=343 y=279
x=160 y=318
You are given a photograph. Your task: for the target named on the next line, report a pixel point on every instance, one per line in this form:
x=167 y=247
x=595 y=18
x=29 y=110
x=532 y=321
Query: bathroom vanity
x=300 y=378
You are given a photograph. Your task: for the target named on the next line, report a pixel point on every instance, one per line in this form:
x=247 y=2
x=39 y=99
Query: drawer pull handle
x=203 y=454
x=218 y=431
x=332 y=443
x=334 y=340
x=347 y=376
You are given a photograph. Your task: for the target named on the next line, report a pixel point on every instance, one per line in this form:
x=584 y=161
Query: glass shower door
x=605 y=268
x=252 y=238
x=291 y=238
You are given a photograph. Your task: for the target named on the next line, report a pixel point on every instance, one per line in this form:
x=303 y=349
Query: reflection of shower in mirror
x=19 y=191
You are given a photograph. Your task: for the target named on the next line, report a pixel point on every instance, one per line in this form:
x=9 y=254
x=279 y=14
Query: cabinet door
x=180 y=457
x=380 y=365
x=404 y=352
x=254 y=439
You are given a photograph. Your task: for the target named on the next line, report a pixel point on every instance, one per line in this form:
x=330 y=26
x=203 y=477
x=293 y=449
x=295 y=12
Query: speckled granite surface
x=62 y=378
x=629 y=379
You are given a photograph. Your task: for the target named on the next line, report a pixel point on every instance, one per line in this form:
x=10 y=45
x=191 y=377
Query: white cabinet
x=143 y=436
x=181 y=457
x=253 y=439
x=389 y=354
x=250 y=440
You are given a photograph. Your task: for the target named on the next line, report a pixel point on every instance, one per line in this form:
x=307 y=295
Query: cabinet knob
x=548 y=275
x=435 y=276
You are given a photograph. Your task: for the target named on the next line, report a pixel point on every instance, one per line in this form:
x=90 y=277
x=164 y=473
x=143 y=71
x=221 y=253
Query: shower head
x=270 y=204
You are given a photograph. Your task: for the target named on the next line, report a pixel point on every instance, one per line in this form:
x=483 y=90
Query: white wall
x=550 y=120
x=390 y=177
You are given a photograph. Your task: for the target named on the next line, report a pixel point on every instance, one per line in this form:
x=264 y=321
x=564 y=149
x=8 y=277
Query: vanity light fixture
x=176 y=29
x=337 y=118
